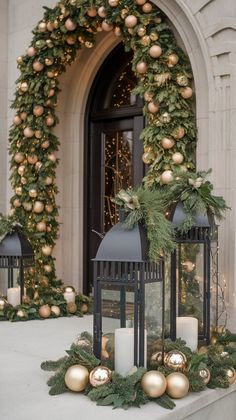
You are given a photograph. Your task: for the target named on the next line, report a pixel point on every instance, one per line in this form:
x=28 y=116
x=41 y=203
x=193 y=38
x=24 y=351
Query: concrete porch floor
x=24 y=392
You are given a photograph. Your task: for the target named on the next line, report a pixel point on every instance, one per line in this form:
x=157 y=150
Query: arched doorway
x=113 y=149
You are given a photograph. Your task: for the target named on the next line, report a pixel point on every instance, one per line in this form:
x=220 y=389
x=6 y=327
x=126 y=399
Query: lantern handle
x=101 y=235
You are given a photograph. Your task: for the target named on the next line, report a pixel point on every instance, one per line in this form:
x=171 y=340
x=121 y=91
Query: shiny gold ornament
x=177 y=385
x=131 y=21
x=27 y=206
x=154 y=36
x=24 y=86
x=42 y=27
x=16 y=203
x=88 y=44
x=141 y=67
x=28 y=132
x=100 y=375
x=21 y=313
x=148 y=96
x=48 y=61
x=165 y=118
x=43 y=282
x=182 y=80
x=32 y=159
x=38 y=134
x=186 y=92
x=38 y=207
x=173 y=59
x=153 y=383
x=19 y=157
x=45 y=144
x=213 y=339
x=41 y=226
x=113 y=3
x=55 y=310
x=19 y=60
x=124 y=12
x=102 y=12
x=45 y=311
x=177 y=158
x=47 y=268
x=46 y=250
x=38 y=165
x=205 y=375
x=141 y=31
x=147 y=8
x=21 y=170
x=76 y=378
x=156 y=358
x=167 y=143
x=71 y=307
x=17 y=120
x=145 y=40
x=148 y=158
x=107 y=27
x=175 y=359
x=178 y=133
x=19 y=191
x=155 y=51
x=117 y=31
x=231 y=375
x=23 y=180
x=3 y=303
x=203 y=350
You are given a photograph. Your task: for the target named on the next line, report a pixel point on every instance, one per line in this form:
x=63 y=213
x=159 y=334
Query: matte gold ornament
x=153 y=107
x=167 y=143
x=47 y=268
x=70 y=25
x=42 y=27
x=147 y=8
x=27 y=206
x=17 y=120
x=84 y=308
x=19 y=157
x=153 y=383
x=23 y=115
x=38 y=134
x=46 y=250
x=131 y=21
x=113 y=3
x=155 y=51
x=182 y=80
x=92 y=11
x=76 y=378
x=107 y=27
x=16 y=203
x=145 y=40
x=71 y=307
x=23 y=180
x=173 y=59
x=50 y=26
x=3 y=303
x=231 y=375
x=178 y=133
x=102 y=12
x=41 y=226
x=45 y=311
x=140 y=2
x=37 y=66
x=19 y=191
x=205 y=375
x=177 y=385
x=175 y=359
x=31 y=51
x=186 y=92
x=48 y=180
x=28 y=132
x=32 y=159
x=100 y=375
x=52 y=157
x=24 y=86
x=38 y=207
x=141 y=31
x=141 y=67
x=177 y=158
x=55 y=310
x=156 y=358
x=49 y=120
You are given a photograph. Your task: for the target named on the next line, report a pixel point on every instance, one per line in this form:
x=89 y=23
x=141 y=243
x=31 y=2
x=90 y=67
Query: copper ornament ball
x=153 y=383
x=177 y=385
x=177 y=158
x=153 y=107
x=186 y=92
x=107 y=27
x=92 y=11
x=31 y=51
x=38 y=207
x=45 y=311
x=41 y=226
x=69 y=24
x=175 y=359
x=113 y=3
x=28 y=132
x=71 y=307
x=140 y=2
x=100 y=375
x=47 y=268
x=76 y=378
x=16 y=203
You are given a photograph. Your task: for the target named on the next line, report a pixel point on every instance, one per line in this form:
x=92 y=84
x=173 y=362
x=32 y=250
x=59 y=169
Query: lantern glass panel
x=190 y=282
x=153 y=318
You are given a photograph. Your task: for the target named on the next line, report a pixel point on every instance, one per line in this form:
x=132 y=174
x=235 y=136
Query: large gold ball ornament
x=45 y=311
x=205 y=375
x=38 y=207
x=147 y=8
x=38 y=134
x=48 y=61
x=17 y=120
x=46 y=250
x=20 y=60
x=167 y=143
x=175 y=359
x=19 y=157
x=47 y=268
x=3 y=303
x=153 y=107
x=41 y=226
x=186 y=92
x=231 y=375
x=49 y=121
x=156 y=358
x=155 y=51
x=148 y=158
x=177 y=158
x=167 y=177
x=76 y=378
x=177 y=385
x=107 y=27
x=38 y=110
x=172 y=60
x=102 y=12
x=55 y=310
x=37 y=66
x=71 y=307
x=21 y=313
x=141 y=67
x=153 y=383
x=70 y=25
x=28 y=132
x=100 y=375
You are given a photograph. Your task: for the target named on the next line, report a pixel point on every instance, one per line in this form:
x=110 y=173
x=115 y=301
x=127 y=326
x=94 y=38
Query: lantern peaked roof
x=121 y=244
x=200 y=220
x=16 y=245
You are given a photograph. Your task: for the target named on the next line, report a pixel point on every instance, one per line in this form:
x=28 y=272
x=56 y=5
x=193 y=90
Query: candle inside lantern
x=124 y=350
x=13 y=296
x=187 y=330
x=69 y=296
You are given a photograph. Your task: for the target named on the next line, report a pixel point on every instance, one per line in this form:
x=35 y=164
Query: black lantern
x=128 y=299
x=16 y=253
x=191 y=271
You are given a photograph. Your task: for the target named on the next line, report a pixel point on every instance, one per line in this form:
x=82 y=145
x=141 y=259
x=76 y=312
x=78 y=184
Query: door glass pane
x=122 y=90
x=118 y=171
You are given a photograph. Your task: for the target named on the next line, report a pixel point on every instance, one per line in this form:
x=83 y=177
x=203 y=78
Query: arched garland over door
x=164 y=79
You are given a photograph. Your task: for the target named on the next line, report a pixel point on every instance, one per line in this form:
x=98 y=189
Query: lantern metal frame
x=122 y=261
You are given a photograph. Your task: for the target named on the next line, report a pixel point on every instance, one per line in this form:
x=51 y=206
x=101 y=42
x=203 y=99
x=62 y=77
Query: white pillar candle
x=69 y=297
x=13 y=296
x=187 y=329
x=124 y=350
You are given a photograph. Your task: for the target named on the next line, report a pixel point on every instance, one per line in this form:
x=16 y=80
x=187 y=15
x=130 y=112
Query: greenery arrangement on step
x=212 y=366
x=164 y=80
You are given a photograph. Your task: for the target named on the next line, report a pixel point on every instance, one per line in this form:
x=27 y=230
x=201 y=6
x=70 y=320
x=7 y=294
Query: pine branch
x=51 y=365
x=165 y=401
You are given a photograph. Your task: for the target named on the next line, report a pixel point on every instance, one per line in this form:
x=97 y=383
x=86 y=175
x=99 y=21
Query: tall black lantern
x=16 y=253
x=191 y=271
x=128 y=298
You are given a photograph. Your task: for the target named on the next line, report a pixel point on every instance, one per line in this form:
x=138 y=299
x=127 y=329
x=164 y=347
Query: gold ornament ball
x=31 y=51
x=19 y=190
x=19 y=60
x=45 y=311
x=165 y=117
x=145 y=40
x=100 y=375
x=107 y=27
x=153 y=107
x=41 y=226
x=21 y=313
x=49 y=121
x=38 y=110
x=47 y=268
x=49 y=208
x=21 y=170
x=141 y=31
x=167 y=143
x=52 y=157
x=16 y=203
x=23 y=180
x=155 y=51
x=102 y=12
x=46 y=250
x=17 y=120
x=148 y=158
x=76 y=378
x=33 y=193
x=141 y=67
x=71 y=307
x=167 y=177
x=50 y=26
x=38 y=207
x=178 y=133
x=27 y=206
x=175 y=359
x=205 y=375
x=38 y=134
x=186 y=92
x=24 y=87
x=156 y=358
x=154 y=36
x=153 y=383
x=177 y=158
x=48 y=61
x=173 y=59
x=231 y=375
x=140 y=2
x=71 y=40
x=177 y=385
x=48 y=180
x=19 y=157
x=88 y=44
x=28 y=132
x=45 y=144
x=147 y=8
x=3 y=303
x=84 y=308
x=213 y=339
x=131 y=21
x=182 y=80
x=203 y=350
x=113 y=3
x=43 y=282
x=55 y=310
x=92 y=12
x=70 y=25
x=37 y=66
x=148 y=96
x=32 y=159
x=42 y=27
